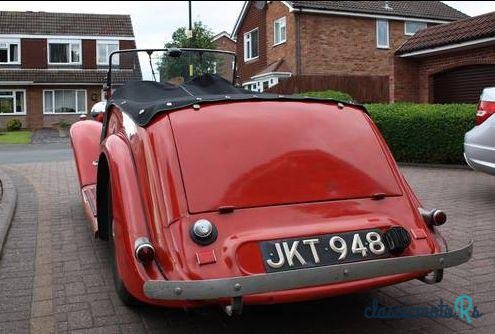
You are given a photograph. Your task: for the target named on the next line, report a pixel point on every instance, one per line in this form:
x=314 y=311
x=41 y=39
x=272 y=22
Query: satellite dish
x=259 y=4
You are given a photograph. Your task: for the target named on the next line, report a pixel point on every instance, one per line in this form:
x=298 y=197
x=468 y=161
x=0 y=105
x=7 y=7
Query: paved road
x=28 y=153
x=54 y=277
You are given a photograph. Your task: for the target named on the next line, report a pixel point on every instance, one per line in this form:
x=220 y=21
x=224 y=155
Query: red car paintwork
x=186 y=164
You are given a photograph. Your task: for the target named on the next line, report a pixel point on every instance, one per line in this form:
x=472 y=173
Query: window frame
x=412 y=34
x=9 y=42
x=282 y=41
x=69 y=42
x=65 y=113
x=14 y=91
x=116 y=58
x=378 y=45
x=246 y=59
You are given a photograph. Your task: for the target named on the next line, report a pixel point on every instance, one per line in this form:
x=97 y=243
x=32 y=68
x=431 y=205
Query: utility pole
x=190 y=31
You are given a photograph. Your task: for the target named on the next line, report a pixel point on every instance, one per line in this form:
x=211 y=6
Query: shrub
x=63 y=124
x=424 y=133
x=13 y=125
x=330 y=94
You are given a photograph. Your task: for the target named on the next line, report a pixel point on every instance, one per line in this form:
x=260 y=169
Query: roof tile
x=45 y=23
x=415 y=9
x=473 y=28
x=67 y=76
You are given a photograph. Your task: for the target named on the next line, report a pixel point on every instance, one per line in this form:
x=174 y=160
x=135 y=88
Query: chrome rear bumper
x=301 y=278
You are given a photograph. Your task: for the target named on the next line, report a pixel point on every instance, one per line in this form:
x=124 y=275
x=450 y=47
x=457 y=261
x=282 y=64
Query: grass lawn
x=15 y=137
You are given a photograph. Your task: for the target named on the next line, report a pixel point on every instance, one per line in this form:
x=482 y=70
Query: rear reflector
x=206 y=257
x=485 y=110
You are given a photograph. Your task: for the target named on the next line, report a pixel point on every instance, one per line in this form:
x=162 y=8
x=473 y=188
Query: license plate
x=322 y=250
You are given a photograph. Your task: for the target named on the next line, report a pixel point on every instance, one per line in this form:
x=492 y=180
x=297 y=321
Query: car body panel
x=85 y=140
x=479 y=142
x=249 y=155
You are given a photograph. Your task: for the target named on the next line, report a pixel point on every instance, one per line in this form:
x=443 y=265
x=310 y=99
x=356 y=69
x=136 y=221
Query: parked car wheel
x=124 y=295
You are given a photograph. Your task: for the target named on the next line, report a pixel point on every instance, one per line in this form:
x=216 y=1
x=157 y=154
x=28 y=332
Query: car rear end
x=289 y=201
x=479 y=143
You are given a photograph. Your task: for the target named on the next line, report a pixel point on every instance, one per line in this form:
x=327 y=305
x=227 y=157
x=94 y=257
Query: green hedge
x=424 y=133
x=330 y=94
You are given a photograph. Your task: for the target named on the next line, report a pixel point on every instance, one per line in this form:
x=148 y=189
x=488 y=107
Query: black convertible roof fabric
x=143 y=100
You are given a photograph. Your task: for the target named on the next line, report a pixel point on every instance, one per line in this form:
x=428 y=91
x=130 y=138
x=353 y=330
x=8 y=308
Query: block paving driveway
x=54 y=277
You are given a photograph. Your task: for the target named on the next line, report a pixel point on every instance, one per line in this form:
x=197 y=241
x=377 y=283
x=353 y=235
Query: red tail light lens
x=485 y=110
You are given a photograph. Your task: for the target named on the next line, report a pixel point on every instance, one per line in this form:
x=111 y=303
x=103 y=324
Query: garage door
x=462 y=84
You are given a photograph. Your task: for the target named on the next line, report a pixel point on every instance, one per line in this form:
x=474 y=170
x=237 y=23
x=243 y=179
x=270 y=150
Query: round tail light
x=203 y=232
x=144 y=251
x=438 y=217
x=434 y=217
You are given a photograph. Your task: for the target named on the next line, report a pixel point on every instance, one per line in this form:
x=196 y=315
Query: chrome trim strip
x=293 y=279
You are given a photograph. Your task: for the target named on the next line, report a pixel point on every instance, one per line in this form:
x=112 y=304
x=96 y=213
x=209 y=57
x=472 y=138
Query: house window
x=64 y=101
x=9 y=51
x=279 y=31
x=103 y=51
x=251 y=45
x=412 y=27
x=266 y=84
x=12 y=101
x=382 y=34
x=64 y=52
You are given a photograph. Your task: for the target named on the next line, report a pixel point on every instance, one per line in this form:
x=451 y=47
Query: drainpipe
x=298 y=40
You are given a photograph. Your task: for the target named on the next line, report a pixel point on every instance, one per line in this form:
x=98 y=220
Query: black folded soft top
x=143 y=100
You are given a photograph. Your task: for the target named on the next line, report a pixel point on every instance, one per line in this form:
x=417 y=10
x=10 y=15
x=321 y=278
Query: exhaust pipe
x=235 y=307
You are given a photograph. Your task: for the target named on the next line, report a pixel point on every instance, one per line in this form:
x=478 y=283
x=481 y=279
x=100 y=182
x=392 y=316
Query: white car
x=479 y=142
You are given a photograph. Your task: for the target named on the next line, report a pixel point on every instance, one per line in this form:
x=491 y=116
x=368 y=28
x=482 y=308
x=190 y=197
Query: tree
x=202 y=38
x=188 y=63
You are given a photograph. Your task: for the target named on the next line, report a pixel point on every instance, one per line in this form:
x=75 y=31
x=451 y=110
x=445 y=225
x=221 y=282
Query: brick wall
x=413 y=77
x=404 y=85
x=346 y=45
x=225 y=43
x=34 y=53
x=255 y=18
x=127 y=60
x=89 y=53
x=287 y=50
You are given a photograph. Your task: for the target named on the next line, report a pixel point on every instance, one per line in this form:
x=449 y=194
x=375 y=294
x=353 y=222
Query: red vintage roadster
x=211 y=194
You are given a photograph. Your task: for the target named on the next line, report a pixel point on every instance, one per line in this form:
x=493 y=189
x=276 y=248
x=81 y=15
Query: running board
x=89 y=202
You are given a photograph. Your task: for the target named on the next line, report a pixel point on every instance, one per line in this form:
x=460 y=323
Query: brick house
x=447 y=63
x=280 y=39
x=53 y=65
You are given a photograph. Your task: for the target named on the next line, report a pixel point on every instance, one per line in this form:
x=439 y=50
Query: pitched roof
x=42 y=76
x=277 y=66
x=470 y=29
x=44 y=23
x=435 y=11
x=416 y=9
x=222 y=34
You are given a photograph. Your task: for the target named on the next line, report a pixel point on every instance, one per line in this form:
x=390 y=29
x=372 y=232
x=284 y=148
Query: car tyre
x=124 y=294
